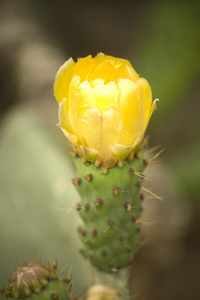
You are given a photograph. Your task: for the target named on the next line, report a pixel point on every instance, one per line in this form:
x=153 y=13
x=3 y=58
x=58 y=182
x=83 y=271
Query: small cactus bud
x=36 y=279
x=101 y=292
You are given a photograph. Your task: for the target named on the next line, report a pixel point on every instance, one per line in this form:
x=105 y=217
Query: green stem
x=119 y=281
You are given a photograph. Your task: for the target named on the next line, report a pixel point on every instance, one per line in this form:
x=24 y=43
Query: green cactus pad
x=37 y=282
x=110 y=208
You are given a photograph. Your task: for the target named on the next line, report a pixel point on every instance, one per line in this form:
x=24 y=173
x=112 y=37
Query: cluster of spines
x=110 y=208
x=36 y=279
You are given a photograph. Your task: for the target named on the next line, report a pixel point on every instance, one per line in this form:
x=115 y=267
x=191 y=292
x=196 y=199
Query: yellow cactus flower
x=104 y=106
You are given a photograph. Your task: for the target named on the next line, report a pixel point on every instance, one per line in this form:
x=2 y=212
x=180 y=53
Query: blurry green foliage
x=169 y=57
x=169 y=51
x=186 y=174
x=37 y=215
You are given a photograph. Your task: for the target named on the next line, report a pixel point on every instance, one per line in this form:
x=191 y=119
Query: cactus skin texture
x=110 y=208
x=37 y=282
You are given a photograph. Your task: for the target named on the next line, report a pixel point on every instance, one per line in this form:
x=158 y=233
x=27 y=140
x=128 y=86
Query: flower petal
x=96 y=82
x=124 y=137
x=154 y=106
x=105 y=95
x=89 y=154
x=100 y=132
x=83 y=66
x=146 y=101
x=110 y=130
x=83 y=96
x=71 y=137
x=89 y=122
x=120 y=151
x=63 y=115
x=73 y=87
x=111 y=69
x=62 y=80
x=130 y=108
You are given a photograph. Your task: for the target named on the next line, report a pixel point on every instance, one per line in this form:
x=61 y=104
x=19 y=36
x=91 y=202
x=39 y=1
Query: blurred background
x=37 y=216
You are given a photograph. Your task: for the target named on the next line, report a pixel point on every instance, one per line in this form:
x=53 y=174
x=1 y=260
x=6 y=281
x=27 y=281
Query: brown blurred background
x=37 y=217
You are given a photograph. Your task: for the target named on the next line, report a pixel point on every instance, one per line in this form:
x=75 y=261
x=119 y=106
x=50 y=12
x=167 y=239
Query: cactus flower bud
x=101 y=292
x=104 y=110
x=104 y=107
x=37 y=282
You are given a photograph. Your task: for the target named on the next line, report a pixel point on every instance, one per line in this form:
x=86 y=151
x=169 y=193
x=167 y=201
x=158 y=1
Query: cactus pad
x=110 y=208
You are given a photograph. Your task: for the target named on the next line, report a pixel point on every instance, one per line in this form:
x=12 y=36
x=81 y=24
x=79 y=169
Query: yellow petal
x=73 y=87
x=111 y=69
x=132 y=73
x=96 y=82
x=89 y=120
x=63 y=115
x=124 y=137
x=62 y=80
x=120 y=151
x=154 y=106
x=130 y=108
x=105 y=95
x=111 y=129
x=82 y=67
x=90 y=155
x=83 y=96
x=100 y=132
x=146 y=101
x=71 y=137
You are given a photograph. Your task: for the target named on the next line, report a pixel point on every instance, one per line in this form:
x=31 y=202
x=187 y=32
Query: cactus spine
x=110 y=208
x=37 y=282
